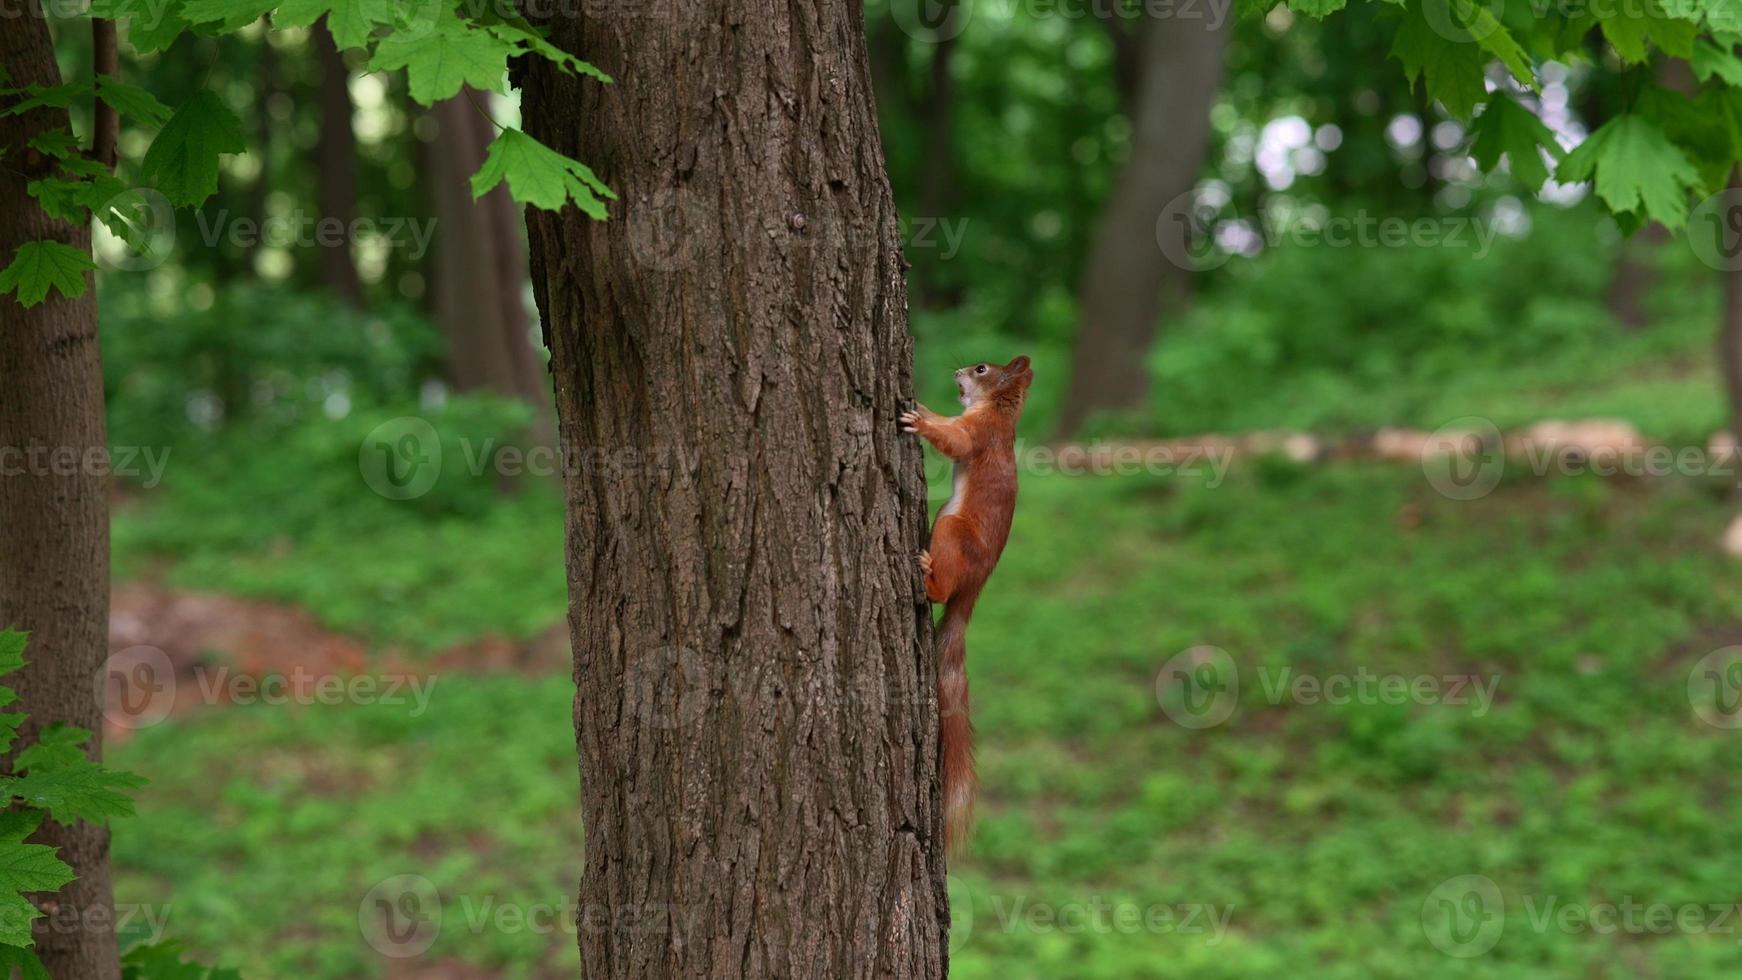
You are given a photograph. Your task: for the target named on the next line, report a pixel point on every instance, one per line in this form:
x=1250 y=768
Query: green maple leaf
x=163 y=961
x=350 y=21
x=183 y=160
x=68 y=200
x=77 y=790
x=39 y=266
x=1635 y=168
x=1451 y=70
x=45 y=96
x=1318 y=9
x=1629 y=26
x=527 y=40
x=227 y=15
x=12 y=650
x=450 y=55
x=149 y=30
x=1723 y=15
x=18 y=961
x=60 y=746
x=1507 y=127
x=539 y=176
x=57 y=143
x=1709 y=60
x=132 y=101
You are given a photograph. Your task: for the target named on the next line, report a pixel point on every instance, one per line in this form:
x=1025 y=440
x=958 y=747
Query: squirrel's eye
x=980 y=370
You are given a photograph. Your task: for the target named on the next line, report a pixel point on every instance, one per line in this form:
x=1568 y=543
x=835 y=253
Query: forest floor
x=1119 y=835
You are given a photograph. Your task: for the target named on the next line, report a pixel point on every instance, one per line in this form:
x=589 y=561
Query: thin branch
x=105 y=124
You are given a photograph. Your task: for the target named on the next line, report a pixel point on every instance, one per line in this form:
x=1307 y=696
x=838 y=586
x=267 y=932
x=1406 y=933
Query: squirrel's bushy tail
x=955 y=732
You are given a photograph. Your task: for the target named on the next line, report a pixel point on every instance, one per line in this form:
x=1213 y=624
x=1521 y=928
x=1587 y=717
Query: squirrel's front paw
x=910 y=421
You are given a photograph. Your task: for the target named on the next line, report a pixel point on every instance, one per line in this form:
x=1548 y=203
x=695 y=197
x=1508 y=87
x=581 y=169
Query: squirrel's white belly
x=959 y=491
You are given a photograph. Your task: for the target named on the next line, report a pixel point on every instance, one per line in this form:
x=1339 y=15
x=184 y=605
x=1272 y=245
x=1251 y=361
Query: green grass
x=1319 y=829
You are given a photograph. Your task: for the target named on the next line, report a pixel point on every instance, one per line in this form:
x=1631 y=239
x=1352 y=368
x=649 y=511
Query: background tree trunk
x=755 y=700
x=480 y=270
x=261 y=190
x=54 y=517
x=1730 y=340
x=336 y=165
x=937 y=176
x=1128 y=272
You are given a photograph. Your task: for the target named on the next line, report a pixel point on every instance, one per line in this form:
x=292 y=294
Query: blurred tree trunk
x=480 y=267
x=1128 y=273
x=1730 y=337
x=753 y=659
x=54 y=525
x=937 y=177
x=336 y=166
x=267 y=87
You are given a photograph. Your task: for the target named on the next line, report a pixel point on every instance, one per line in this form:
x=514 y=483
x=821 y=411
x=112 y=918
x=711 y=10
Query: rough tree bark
x=1128 y=271
x=54 y=520
x=480 y=268
x=755 y=703
x=336 y=165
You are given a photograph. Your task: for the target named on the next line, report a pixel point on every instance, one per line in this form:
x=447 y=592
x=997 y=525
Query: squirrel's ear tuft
x=1019 y=364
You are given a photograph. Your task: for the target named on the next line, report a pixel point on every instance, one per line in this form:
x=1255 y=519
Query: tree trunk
x=480 y=268
x=755 y=703
x=1129 y=267
x=336 y=167
x=54 y=520
x=1730 y=338
x=259 y=193
x=937 y=176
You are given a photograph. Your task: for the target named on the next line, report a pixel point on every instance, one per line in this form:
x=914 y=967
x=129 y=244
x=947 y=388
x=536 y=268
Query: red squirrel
x=966 y=542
